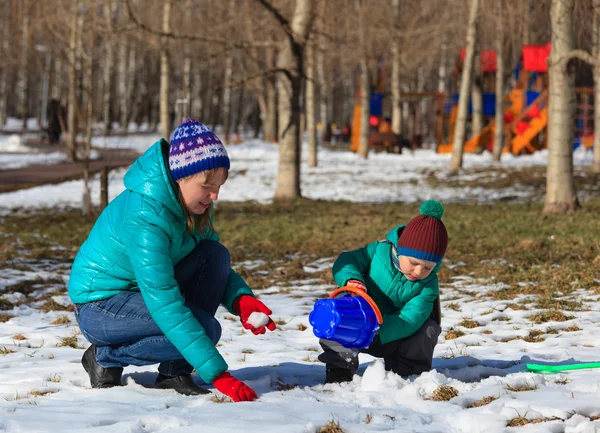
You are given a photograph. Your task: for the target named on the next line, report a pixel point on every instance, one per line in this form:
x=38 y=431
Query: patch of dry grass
x=63 y=319
x=468 y=323
x=332 y=426
x=5 y=350
x=534 y=336
x=452 y=306
x=550 y=316
x=452 y=334
x=69 y=342
x=444 y=393
x=520 y=421
x=484 y=401
x=521 y=388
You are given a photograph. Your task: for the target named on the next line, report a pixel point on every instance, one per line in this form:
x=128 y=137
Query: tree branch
x=582 y=55
x=174 y=36
x=285 y=24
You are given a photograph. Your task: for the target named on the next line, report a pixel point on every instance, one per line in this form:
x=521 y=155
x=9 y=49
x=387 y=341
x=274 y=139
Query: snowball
x=257 y=319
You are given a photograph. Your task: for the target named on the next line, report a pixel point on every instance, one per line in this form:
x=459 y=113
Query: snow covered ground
x=341 y=175
x=43 y=387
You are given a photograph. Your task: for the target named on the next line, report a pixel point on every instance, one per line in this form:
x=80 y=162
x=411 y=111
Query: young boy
x=400 y=274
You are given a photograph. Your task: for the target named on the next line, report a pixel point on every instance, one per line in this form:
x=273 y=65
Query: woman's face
x=200 y=190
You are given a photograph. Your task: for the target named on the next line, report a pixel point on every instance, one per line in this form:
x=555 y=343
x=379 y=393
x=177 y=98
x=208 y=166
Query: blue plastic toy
x=351 y=321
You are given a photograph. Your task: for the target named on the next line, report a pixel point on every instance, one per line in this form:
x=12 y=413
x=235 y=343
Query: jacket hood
x=149 y=176
x=394 y=234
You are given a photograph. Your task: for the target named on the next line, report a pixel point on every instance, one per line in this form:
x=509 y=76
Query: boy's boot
x=335 y=374
x=183 y=384
x=100 y=377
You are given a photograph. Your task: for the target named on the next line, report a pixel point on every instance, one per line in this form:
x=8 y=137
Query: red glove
x=246 y=305
x=234 y=388
x=357 y=285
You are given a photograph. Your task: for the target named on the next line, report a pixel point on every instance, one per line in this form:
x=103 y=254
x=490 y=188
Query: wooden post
x=103 y=188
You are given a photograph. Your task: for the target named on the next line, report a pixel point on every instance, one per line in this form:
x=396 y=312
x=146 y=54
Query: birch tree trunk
x=270 y=121
x=395 y=77
x=226 y=106
x=324 y=88
x=596 y=54
x=291 y=59
x=88 y=89
x=443 y=66
x=365 y=109
x=123 y=100
x=465 y=84
x=499 y=131
x=165 y=126
x=58 y=82
x=311 y=124
x=187 y=68
x=560 y=188
x=4 y=69
x=23 y=84
x=131 y=84
x=186 y=84
x=108 y=66
x=196 y=101
x=476 y=95
x=73 y=74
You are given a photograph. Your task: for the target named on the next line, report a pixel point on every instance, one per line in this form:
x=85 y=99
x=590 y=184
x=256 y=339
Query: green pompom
x=432 y=208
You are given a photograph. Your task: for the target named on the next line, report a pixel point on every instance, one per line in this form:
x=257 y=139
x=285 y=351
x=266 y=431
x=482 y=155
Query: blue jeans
x=126 y=334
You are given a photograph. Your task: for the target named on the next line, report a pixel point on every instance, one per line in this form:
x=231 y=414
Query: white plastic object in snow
x=257 y=319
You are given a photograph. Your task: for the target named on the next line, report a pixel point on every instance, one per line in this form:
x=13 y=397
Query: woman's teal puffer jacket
x=404 y=304
x=135 y=244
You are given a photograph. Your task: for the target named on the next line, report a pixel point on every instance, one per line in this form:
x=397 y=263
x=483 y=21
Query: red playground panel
x=535 y=58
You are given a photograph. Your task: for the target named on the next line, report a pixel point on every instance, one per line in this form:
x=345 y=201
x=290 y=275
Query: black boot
x=337 y=374
x=100 y=377
x=183 y=384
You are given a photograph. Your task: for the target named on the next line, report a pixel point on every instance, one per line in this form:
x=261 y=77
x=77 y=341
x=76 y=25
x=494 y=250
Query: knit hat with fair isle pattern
x=195 y=148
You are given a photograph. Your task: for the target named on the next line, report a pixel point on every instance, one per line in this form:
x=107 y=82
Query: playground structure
x=381 y=136
x=526 y=108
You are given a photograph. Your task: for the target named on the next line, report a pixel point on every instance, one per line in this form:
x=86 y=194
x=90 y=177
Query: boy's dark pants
x=407 y=356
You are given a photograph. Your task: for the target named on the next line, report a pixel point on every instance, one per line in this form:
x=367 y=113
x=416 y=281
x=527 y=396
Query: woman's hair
x=202 y=223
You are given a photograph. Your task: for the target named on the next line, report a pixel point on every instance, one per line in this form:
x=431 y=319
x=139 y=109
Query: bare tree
x=23 y=85
x=5 y=52
x=499 y=130
x=74 y=65
x=476 y=95
x=165 y=127
x=311 y=124
x=108 y=64
x=596 y=54
x=560 y=188
x=395 y=76
x=290 y=61
x=365 y=82
x=465 y=83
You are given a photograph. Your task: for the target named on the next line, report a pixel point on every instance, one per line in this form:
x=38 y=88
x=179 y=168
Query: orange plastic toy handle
x=363 y=295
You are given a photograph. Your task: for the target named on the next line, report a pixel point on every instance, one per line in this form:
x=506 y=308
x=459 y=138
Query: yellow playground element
x=485 y=139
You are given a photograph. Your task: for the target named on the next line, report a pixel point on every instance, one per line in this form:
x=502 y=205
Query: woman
x=148 y=280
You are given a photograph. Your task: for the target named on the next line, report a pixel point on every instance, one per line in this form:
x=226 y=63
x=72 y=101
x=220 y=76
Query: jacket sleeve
x=412 y=316
x=145 y=236
x=352 y=265
x=236 y=286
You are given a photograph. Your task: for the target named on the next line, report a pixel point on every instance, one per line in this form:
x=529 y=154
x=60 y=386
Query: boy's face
x=415 y=269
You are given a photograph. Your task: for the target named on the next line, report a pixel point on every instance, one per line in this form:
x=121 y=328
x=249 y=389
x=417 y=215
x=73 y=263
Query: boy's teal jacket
x=404 y=304
x=135 y=244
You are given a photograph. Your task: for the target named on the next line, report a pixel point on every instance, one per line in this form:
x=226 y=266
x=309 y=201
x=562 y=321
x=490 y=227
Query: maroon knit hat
x=425 y=237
